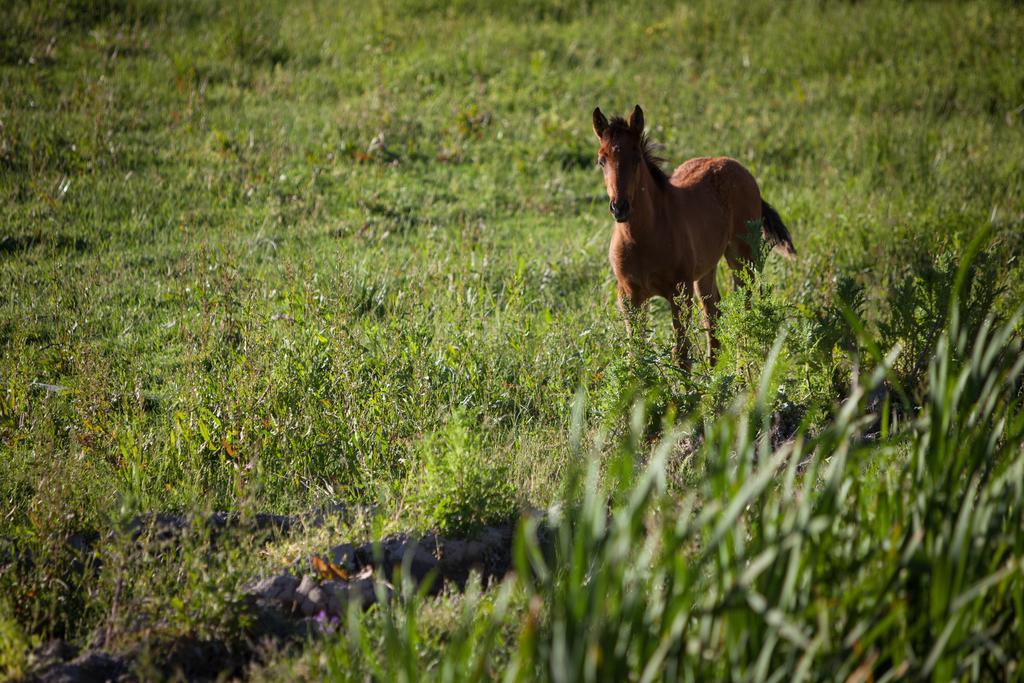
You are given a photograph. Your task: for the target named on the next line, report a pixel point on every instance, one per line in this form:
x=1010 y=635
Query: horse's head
x=619 y=156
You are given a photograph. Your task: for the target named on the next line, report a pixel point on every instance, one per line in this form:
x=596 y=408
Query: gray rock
x=338 y=596
x=453 y=556
x=317 y=596
x=53 y=652
x=337 y=601
x=308 y=583
x=308 y=607
x=91 y=666
x=364 y=591
x=396 y=550
x=421 y=560
x=280 y=587
x=343 y=555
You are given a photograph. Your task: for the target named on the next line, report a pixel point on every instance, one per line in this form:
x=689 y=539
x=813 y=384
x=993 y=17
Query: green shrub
x=919 y=301
x=752 y=319
x=459 y=489
x=646 y=374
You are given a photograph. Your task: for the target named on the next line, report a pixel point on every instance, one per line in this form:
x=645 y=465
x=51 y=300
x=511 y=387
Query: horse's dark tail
x=775 y=232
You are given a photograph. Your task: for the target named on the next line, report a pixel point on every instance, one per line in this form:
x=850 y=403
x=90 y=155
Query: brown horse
x=671 y=231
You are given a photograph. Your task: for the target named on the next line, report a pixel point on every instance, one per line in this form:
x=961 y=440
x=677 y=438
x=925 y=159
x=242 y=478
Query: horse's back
x=718 y=171
x=694 y=170
x=732 y=186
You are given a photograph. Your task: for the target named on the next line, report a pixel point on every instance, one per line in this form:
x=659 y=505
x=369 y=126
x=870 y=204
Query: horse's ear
x=600 y=123
x=636 y=120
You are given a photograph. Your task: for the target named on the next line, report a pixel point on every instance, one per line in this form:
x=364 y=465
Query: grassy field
x=276 y=256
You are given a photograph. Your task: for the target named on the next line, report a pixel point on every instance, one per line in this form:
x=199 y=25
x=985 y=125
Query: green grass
x=249 y=304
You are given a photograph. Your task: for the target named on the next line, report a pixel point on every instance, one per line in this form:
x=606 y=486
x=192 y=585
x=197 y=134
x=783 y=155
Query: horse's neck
x=646 y=205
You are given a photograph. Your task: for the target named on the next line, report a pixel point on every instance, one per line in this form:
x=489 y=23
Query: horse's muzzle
x=620 y=210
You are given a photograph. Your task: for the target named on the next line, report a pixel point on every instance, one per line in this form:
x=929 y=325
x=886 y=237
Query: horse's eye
x=601 y=161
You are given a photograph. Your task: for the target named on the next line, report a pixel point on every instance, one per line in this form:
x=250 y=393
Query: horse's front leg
x=680 y=304
x=631 y=307
x=706 y=290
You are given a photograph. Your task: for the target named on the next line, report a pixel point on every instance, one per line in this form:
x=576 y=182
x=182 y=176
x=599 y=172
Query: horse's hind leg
x=740 y=258
x=707 y=293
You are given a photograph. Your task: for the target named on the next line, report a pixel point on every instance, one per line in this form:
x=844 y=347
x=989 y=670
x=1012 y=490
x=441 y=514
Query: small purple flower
x=326 y=625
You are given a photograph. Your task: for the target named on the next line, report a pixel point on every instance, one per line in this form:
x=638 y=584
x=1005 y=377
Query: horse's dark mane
x=647 y=147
